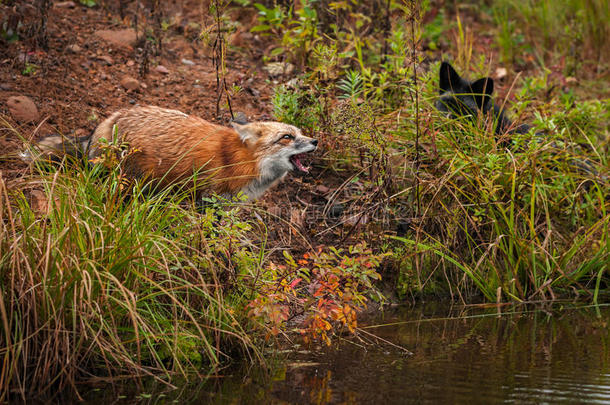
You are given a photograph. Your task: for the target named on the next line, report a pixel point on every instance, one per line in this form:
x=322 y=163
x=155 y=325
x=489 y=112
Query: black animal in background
x=460 y=97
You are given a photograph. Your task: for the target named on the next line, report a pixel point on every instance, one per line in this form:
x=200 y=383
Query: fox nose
x=314 y=142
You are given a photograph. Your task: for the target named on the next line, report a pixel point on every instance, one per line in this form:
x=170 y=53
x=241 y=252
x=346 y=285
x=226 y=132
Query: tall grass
x=511 y=217
x=572 y=29
x=527 y=222
x=102 y=278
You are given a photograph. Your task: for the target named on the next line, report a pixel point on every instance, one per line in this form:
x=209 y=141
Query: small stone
x=188 y=62
x=5 y=86
x=106 y=59
x=74 y=48
x=279 y=68
x=65 y=4
x=23 y=109
x=103 y=76
x=322 y=189
x=130 y=83
x=126 y=37
x=130 y=63
x=500 y=73
x=162 y=69
x=144 y=85
x=132 y=101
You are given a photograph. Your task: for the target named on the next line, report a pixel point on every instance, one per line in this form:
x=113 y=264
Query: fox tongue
x=297 y=163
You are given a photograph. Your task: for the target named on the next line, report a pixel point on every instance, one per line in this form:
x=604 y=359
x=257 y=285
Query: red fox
x=169 y=146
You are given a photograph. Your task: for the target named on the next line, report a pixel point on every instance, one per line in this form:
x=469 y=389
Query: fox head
x=460 y=97
x=278 y=147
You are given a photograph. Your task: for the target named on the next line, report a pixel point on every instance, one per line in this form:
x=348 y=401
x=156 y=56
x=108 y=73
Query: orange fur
x=170 y=146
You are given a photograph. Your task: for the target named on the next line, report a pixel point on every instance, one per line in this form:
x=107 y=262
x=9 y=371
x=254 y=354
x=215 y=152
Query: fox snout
x=307 y=143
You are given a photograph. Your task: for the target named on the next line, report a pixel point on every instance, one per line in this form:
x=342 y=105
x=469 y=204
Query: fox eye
x=287 y=136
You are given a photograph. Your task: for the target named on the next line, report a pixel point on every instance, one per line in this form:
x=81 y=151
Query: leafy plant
x=326 y=288
x=351 y=85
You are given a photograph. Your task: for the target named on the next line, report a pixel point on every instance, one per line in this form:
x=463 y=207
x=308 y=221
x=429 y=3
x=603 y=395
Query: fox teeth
x=296 y=161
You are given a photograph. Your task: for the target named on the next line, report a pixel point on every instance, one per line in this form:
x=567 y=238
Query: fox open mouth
x=296 y=162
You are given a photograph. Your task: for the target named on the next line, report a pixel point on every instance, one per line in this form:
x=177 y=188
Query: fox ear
x=482 y=90
x=246 y=133
x=449 y=78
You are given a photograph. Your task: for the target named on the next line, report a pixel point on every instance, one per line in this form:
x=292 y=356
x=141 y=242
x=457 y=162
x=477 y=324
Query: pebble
x=279 y=68
x=106 y=59
x=500 y=73
x=322 y=189
x=5 y=86
x=65 y=4
x=130 y=83
x=23 y=109
x=162 y=69
x=125 y=37
x=74 y=48
x=188 y=62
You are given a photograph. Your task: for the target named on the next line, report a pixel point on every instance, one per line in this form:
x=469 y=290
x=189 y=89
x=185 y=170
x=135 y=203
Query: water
x=470 y=355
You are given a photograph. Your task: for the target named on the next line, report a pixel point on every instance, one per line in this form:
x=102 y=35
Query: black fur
x=461 y=98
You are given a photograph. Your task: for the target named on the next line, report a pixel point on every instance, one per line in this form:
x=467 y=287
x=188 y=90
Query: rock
x=188 y=62
x=500 y=73
x=130 y=83
x=65 y=4
x=279 y=68
x=5 y=86
x=130 y=63
x=23 y=109
x=162 y=69
x=74 y=48
x=125 y=37
x=106 y=59
x=322 y=189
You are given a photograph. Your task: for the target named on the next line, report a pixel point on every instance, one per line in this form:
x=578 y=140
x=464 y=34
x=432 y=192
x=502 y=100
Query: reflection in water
x=465 y=355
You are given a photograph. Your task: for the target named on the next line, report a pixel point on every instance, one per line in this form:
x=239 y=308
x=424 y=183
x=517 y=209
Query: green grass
x=102 y=277
x=576 y=30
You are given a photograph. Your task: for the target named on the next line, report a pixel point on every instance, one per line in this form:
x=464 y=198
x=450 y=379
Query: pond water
x=554 y=354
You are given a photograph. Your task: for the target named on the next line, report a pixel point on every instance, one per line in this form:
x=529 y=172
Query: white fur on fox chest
x=272 y=169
